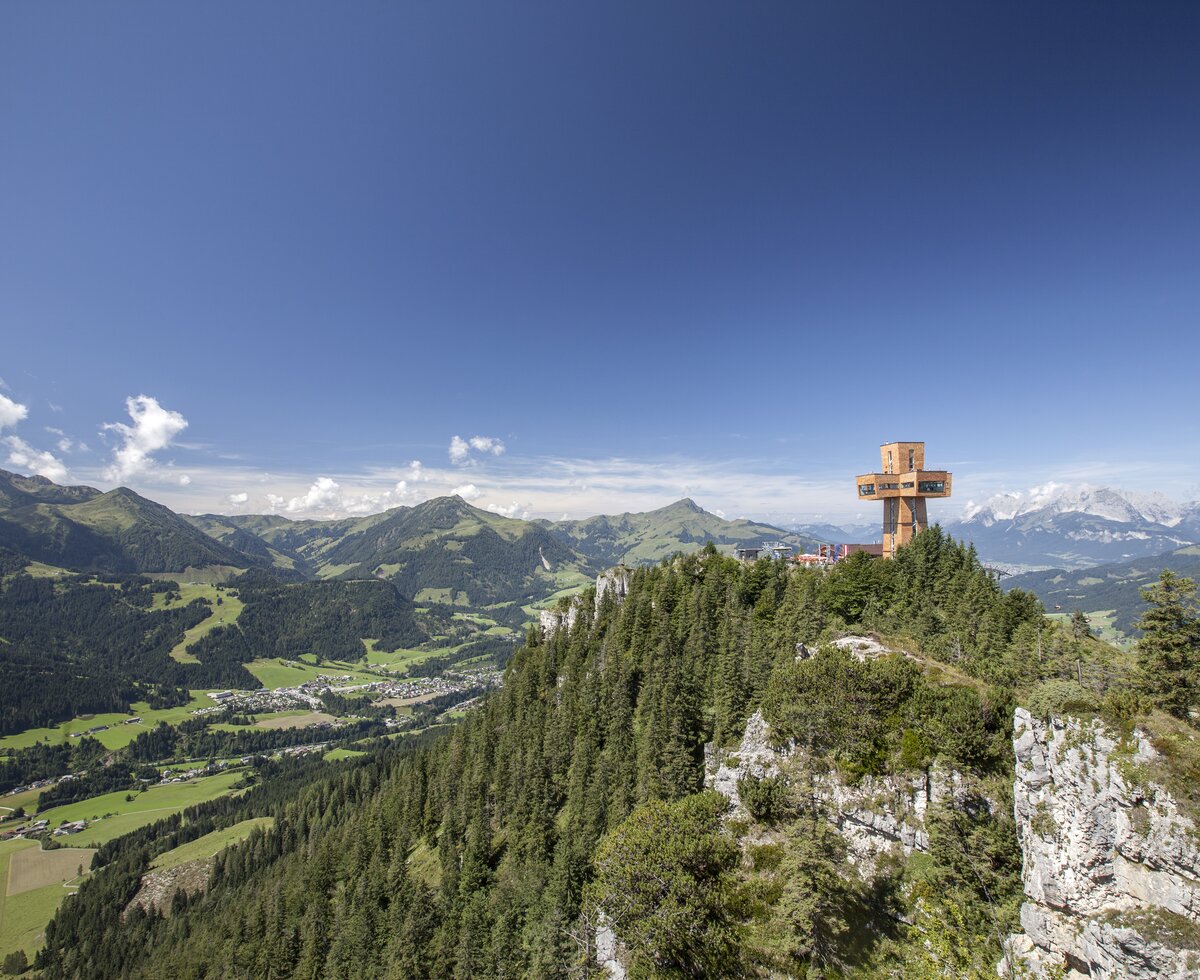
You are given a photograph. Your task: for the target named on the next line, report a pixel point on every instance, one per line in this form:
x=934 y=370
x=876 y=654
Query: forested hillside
x=75 y=645
x=1114 y=591
x=498 y=850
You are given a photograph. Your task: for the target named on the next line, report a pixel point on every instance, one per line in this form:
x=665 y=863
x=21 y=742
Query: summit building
x=903 y=485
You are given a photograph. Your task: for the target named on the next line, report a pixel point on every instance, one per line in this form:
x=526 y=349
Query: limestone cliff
x=876 y=815
x=558 y=618
x=616 y=579
x=1111 y=865
x=566 y=613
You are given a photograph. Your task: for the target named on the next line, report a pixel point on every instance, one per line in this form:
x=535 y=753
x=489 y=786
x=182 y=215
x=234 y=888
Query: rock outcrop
x=158 y=888
x=558 y=618
x=616 y=579
x=876 y=815
x=1111 y=863
x=566 y=613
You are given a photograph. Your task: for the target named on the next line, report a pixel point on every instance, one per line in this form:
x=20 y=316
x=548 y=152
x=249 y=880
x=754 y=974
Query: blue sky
x=650 y=250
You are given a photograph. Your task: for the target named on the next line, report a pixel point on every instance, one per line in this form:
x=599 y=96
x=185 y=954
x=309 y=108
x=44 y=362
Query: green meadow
x=112 y=815
x=291 y=673
x=119 y=734
x=210 y=844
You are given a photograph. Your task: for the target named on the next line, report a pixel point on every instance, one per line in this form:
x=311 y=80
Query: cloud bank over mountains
x=145 y=453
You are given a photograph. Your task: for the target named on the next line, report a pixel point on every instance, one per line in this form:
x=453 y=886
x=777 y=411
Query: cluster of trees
x=44 y=760
x=490 y=852
x=328 y=619
x=195 y=739
x=74 y=646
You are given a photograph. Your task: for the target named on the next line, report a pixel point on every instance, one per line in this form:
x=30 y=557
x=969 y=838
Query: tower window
x=912 y=455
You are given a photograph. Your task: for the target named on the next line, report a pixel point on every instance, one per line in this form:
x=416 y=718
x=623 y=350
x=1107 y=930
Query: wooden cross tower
x=903 y=486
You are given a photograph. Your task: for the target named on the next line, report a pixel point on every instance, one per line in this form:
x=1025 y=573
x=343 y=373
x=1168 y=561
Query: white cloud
x=237 y=499
x=415 y=472
x=486 y=444
x=26 y=457
x=327 y=498
x=468 y=492
x=512 y=510
x=153 y=429
x=11 y=412
x=184 y=480
x=322 y=495
x=460 y=448
x=64 y=445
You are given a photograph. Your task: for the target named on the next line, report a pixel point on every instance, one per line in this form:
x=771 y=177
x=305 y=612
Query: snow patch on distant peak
x=1060 y=498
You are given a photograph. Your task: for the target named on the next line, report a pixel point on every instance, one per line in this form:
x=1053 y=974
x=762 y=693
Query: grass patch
x=119 y=734
x=205 y=847
x=23 y=916
x=304 y=719
x=443 y=597
x=126 y=815
x=37 y=569
x=28 y=800
x=33 y=868
x=333 y=755
x=1178 y=765
x=423 y=863
x=207 y=575
x=222 y=615
x=1159 y=925
x=290 y=673
x=398 y=660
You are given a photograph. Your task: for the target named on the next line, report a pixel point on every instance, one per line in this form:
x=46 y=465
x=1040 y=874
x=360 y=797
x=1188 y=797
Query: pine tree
x=1169 y=650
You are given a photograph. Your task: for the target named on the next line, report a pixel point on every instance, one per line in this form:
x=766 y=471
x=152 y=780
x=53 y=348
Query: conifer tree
x=1169 y=650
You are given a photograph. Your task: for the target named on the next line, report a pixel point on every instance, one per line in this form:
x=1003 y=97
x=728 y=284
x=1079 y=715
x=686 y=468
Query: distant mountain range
x=118 y=531
x=440 y=551
x=1077 y=527
x=445 y=550
x=1057 y=526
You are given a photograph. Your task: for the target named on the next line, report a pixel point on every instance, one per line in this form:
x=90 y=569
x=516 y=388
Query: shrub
x=1059 y=697
x=764 y=797
x=15 y=963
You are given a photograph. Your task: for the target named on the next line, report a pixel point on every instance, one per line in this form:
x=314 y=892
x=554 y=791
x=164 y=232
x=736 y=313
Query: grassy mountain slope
x=447 y=546
x=440 y=550
x=1114 y=589
x=648 y=537
x=119 y=531
x=230 y=533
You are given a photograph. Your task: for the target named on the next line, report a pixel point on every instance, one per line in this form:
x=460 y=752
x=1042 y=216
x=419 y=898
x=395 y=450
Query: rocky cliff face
x=555 y=619
x=565 y=616
x=158 y=888
x=876 y=815
x=1111 y=863
x=616 y=579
